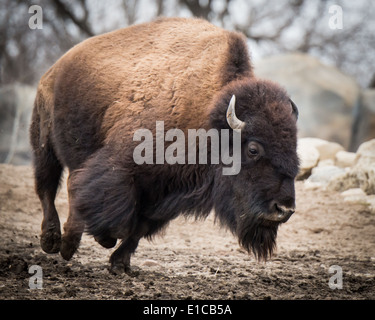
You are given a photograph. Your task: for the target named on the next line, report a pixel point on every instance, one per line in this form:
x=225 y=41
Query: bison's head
x=261 y=196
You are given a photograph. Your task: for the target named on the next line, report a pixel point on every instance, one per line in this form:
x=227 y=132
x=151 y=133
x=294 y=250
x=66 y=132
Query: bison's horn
x=232 y=119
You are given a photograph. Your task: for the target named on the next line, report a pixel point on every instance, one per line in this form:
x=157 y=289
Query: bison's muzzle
x=280 y=213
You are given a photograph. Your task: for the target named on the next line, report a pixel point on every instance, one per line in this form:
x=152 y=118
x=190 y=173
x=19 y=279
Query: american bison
x=184 y=72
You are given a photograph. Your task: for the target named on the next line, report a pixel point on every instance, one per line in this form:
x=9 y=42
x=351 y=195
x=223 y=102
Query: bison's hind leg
x=47 y=174
x=47 y=178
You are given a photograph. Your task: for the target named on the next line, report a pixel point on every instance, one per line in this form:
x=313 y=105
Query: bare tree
x=67 y=13
x=26 y=54
x=271 y=26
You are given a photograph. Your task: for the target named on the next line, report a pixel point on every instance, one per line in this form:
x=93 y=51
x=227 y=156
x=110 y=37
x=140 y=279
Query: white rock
x=356 y=178
x=326 y=149
x=344 y=159
x=150 y=263
x=324 y=174
x=365 y=166
x=326 y=162
x=371 y=203
x=361 y=174
x=366 y=154
x=309 y=157
x=367 y=176
x=353 y=192
x=308 y=185
x=329 y=150
x=355 y=195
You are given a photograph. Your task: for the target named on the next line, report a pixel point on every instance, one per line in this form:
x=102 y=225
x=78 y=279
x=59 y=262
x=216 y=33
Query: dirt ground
x=193 y=259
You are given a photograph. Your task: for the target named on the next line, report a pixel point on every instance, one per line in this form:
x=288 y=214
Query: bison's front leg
x=120 y=259
x=145 y=227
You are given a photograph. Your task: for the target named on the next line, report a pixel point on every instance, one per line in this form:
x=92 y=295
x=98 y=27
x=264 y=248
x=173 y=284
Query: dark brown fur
x=180 y=71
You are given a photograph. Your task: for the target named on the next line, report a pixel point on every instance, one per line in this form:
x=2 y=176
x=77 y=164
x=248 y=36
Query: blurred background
x=322 y=52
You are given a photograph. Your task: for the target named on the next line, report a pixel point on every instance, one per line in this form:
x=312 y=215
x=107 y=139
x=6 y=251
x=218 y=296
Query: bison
x=183 y=72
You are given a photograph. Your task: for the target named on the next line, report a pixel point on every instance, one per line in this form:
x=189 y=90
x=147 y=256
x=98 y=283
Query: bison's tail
x=104 y=197
x=41 y=121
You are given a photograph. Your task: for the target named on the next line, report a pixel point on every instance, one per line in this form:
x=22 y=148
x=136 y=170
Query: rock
x=325 y=95
x=362 y=174
x=309 y=157
x=324 y=174
x=356 y=178
x=327 y=150
x=367 y=179
x=16 y=105
x=326 y=162
x=371 y=203
x=344 y=159
x=364 y=119
x=344 y=182
x=314 y=150
x=355 y=195
x=308 y=185
x=150 y=263
x=366 y=155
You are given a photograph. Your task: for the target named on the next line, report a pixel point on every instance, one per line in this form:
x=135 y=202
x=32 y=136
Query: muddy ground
x=193 y=259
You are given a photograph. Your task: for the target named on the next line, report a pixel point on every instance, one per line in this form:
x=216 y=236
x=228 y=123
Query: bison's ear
x=294 y=109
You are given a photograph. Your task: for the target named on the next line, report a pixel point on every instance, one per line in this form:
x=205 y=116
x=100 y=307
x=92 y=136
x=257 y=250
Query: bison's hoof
x=106 y=242
x=118 y=269
x=50 y=241
x=69 y=246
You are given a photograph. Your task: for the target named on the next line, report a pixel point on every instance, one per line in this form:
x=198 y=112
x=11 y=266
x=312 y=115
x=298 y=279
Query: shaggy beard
x=258 y=237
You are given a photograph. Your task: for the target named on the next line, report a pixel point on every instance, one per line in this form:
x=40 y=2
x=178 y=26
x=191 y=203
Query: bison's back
x=110 y=85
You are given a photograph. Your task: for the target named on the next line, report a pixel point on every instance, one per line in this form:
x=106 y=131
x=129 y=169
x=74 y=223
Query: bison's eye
x=254 y=150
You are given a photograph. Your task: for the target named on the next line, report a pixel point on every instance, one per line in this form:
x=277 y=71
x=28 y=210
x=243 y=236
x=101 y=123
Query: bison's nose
x=284 y=210
x=279 y=213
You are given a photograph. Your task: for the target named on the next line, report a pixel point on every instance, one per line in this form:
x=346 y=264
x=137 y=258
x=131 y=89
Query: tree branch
x=196 y=9
x=66 y=13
